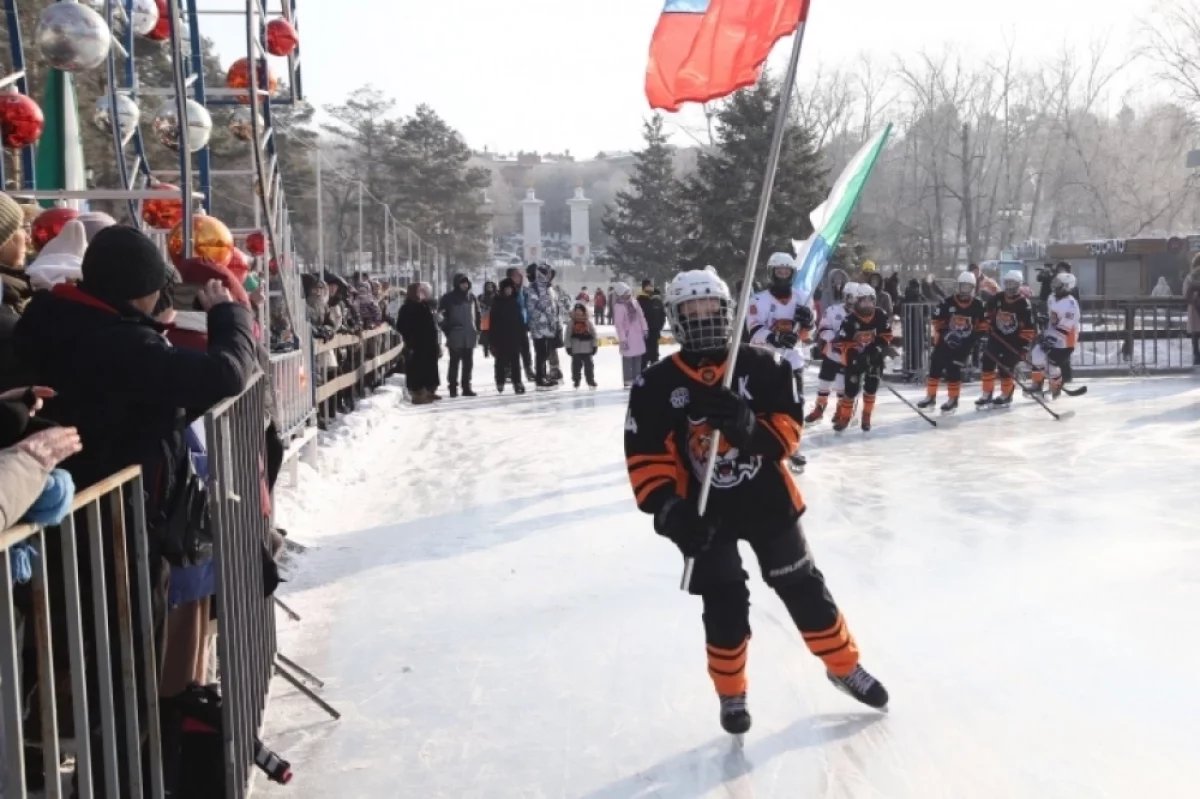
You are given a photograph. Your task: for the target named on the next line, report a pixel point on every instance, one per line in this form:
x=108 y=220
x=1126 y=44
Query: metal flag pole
x=760 y=223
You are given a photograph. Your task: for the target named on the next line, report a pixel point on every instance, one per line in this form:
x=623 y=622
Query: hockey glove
x=786 y=339
x=728 y=413
x=678 y=521
x=804 y=317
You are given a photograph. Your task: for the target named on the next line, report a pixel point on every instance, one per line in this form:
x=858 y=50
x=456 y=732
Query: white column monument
x=532 y=208
x=581 y=239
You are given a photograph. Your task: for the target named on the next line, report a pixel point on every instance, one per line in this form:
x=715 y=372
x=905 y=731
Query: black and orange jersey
x=957 y=323
x=666 y=446
x=1011 y=319
x=857 y=333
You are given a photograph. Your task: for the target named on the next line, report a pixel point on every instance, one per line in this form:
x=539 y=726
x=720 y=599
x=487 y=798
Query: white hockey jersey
x=768 y=314
x=831 y=323
x=1063 y=328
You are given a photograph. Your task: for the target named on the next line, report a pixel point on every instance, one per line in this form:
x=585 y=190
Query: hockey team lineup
x=677 y=405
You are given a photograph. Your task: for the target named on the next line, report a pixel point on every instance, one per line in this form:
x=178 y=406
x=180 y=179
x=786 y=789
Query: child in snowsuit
x=581 y=344
x=631 y=327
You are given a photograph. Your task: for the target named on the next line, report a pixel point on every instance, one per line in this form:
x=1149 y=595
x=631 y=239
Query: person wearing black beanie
x=122 y=266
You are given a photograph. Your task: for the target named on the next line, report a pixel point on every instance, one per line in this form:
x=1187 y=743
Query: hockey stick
x=760 y=225
x=917 y=410
x=1070 y=392
x=1058 y=417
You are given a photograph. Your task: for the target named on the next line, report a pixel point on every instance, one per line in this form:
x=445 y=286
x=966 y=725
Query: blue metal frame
x=115 y=124
x=28 y=173
x=204 y=157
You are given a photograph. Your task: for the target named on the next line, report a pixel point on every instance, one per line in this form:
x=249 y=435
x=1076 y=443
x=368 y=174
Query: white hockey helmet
x=781 y=271
x=1063 y=284
x=1012 y=281
x=864 y=298
x=700 y=310
x=964 y=285
x=850 y=293
x=780 y=259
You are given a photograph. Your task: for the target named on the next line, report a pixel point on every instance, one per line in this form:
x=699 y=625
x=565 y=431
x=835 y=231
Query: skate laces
x=733 y=704
x=860 y=680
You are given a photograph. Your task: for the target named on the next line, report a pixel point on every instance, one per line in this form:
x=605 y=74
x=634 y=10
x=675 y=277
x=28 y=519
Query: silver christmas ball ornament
x=73 y=37
x=145 y=16
x=128 y=115
x=241 y=125
x=166 y=125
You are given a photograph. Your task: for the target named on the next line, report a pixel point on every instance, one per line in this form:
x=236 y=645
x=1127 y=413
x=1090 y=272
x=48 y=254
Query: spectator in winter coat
x=581 y=345
x=912 y=291
x=518 y=278
x=1161 y=289
x=460 y=323
x=632 y=330
x=367 y=306
x=883 y=300
x=601 y=304
x=485 y=316
x=129 y=392
x=1191 y=293
x=508 y=336
x=14 y=290
x=61 y=260
x=542 y=314
x=655 y=316
x=583 y=296
x=417 y=327
x=26 y=467
x=892 y=287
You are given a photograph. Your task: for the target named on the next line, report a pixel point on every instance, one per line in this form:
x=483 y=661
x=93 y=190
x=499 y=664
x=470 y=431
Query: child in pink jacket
x=631 y=331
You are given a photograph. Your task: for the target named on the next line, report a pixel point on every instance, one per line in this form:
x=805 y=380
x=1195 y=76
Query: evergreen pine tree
x=644 y=224
x=721 y=197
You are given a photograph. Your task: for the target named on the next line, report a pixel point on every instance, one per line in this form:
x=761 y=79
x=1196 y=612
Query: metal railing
x=240 y=523
x=1118 y=336
x=291 y=380
x=113 y=683
x=362 y=363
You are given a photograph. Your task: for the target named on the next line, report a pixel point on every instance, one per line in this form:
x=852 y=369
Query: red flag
x=704 y=49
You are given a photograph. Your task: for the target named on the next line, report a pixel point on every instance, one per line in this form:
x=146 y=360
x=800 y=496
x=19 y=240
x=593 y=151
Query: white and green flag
x=60 y=149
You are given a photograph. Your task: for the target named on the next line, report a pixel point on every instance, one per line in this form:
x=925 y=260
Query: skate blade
x=739 y=740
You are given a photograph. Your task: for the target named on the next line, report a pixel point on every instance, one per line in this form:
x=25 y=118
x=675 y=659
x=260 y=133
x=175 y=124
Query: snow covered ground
x=495 y=619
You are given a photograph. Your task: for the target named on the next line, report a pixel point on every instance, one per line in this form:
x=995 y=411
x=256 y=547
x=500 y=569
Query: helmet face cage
x=702 y=323
x=850 y=294
x=1063 y=283
x=966 y=289
x=864 y=304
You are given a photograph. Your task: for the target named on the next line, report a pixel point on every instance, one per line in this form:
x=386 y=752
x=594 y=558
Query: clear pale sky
x=551 y=75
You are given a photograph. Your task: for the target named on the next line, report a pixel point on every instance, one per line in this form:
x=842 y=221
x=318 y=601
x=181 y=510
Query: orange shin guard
x=727 y=667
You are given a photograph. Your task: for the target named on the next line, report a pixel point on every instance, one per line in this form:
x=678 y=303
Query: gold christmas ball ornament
x=211 y=240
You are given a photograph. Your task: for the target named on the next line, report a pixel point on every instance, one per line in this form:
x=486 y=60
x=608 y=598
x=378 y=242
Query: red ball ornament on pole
x=21 y=120
x=211 y=240
x=281 y=37
x=162 y=29
x=166 y=213
x=238 y=77
x=256 y=243
x=48 y=224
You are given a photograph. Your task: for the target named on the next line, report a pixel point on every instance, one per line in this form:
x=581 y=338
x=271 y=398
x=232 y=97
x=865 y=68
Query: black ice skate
x=950 y=405
x=797 y=462
x=815 y=415
x=735 y=716
x=866 y=421
x=1003 y=401
x=860 y=685
x=928 y=402
x=984 y=402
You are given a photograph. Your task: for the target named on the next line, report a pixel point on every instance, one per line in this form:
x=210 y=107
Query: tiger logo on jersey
x=1006 y=322
x=731 y=469
x=864 y=339
x=958 y=328
x=783 y=325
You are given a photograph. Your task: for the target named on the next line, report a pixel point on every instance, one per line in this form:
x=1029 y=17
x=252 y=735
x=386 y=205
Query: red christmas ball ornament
x=239 y=265
x=49 y=223
x=162 y=29
x=21 y=120
x=256 y=243
x=166 y=213
x=238 y=77
x=281 y=37
x=273 y=267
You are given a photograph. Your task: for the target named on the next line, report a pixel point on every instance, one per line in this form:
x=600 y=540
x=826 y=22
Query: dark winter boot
x=950 y=405
x=735 y=716
x=862 y=686
x=499 y=388
x=467 y=392
x=453 y=391
x=518 y=388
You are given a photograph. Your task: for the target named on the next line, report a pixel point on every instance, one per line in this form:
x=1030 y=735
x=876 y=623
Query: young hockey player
x=957 y=324
x=1011 y=329
x=674 y=408
x=830 y=376
x=1057 y=341
x=777 y=320
x=864 y=336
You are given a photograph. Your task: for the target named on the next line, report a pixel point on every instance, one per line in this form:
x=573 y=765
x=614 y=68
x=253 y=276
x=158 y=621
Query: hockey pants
x=788 y=568
x=946 y=363
x=831 y=377
x=1051 y=363
x=1007 y=357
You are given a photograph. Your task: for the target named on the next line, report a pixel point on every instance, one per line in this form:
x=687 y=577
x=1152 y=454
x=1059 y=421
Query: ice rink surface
x=496 y=619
